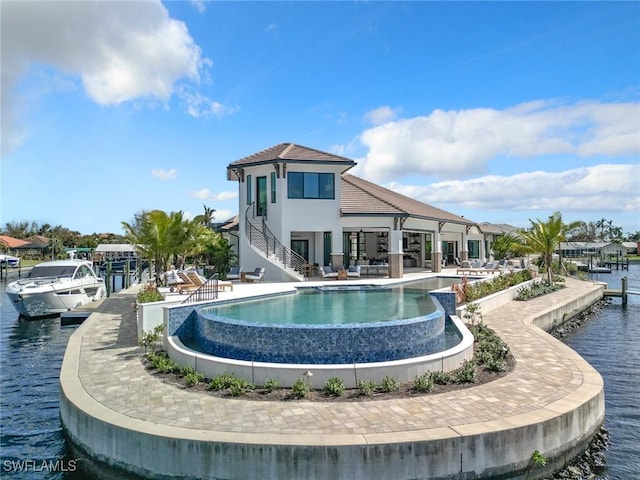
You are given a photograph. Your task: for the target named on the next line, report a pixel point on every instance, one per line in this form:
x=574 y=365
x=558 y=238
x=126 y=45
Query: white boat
x=9 y=260
x=55 y=287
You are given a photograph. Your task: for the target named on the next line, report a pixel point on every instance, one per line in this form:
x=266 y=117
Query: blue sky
x=498 y=111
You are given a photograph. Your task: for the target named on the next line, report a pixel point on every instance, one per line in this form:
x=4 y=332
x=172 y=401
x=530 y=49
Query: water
x=611 y=344
x=31 y=353
x=341 y=307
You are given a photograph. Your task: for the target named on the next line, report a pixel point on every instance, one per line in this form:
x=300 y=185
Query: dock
x=622 y=293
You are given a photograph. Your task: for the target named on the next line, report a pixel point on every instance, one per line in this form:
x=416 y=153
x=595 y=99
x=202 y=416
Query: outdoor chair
x=328 y=273
x=353 y=271
x=256 y=276
x=234 y=273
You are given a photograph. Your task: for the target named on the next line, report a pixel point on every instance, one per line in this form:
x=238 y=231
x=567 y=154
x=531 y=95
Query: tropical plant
x=159 y=236
x=543 y=238
x=334 y=386
x=506 y=245
x=206 y=218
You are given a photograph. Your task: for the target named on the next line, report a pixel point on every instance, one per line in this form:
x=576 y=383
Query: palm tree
x=159 y=237
x=543 y=238
x=207 y=217
x=504 y=245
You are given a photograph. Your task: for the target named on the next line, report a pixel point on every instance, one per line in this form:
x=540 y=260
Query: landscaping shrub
x=271 y=384
x=389 y=384
x=149 y=293
x=469 y=292
x=299 y=389
x=468 y=373
x=240 y=386
x=423 y=383
x=366 y=387
x=222 y=381
x=334 y=386
x=537 y=289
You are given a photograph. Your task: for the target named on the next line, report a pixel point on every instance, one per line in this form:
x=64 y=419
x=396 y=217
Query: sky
x=498 y=111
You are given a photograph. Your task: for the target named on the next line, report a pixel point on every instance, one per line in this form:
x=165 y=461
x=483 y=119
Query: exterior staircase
x=263 y=241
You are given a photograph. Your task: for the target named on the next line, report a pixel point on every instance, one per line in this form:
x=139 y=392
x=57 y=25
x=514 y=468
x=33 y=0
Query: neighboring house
x=11 y=245
x=587 y=249
x=229 y=231
x=299 y=206
x=490 y=232
x=632 y=247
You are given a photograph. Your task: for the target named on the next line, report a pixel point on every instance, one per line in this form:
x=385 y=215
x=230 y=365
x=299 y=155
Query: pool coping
x=550 y=386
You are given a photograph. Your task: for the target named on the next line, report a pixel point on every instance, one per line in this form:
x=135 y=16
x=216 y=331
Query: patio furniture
x=328 y=273
x=234 y=273
x=354 y=271
x=256 y=276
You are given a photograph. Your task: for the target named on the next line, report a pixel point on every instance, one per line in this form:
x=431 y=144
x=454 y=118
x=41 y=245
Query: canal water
x=32 y=444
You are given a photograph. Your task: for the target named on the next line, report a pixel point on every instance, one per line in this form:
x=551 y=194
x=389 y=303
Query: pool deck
x=102 y=378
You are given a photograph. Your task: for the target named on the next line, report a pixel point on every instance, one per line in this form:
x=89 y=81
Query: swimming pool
x=324 y=327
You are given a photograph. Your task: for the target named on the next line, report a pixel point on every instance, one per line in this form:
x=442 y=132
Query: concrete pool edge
x=258 y=372
x=122 y=440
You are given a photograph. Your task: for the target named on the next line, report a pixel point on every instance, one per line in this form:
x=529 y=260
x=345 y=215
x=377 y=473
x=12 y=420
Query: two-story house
x=300 y=206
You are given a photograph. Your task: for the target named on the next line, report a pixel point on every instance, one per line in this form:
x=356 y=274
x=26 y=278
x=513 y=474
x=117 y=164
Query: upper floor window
x=310 y=185
x=273 y=187
x=249 y=196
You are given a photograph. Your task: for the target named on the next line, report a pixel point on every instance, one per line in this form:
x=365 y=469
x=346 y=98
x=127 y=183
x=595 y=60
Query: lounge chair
x=187 y=284
x=234 y=273
x=353 y=271
x=328 y=273
x=256 y=276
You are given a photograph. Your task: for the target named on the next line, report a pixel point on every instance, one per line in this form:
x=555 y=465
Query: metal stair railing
x=207 y=291
x=265 y=241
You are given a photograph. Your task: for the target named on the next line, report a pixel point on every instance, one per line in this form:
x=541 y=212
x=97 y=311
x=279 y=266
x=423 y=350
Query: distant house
x=29 y=247
x=632 y=247
x=587 y=249
x=11 y=245
x=229 y=231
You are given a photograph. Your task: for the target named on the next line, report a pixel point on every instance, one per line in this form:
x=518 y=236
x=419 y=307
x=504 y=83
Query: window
x=248 y=183
x=310 y=185
x=261 y=196
x=474 y=248
x=273 y=187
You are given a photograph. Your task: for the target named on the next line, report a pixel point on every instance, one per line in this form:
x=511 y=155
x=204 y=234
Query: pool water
x=337 y=307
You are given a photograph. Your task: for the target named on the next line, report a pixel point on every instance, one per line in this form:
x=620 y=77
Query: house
x=299 y=206
x=592 y=249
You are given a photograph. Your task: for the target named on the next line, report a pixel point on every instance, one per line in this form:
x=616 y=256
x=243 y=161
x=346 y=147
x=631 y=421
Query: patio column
x=464 y=251
x=436 y=254
x=337 y=255
x=395 y=254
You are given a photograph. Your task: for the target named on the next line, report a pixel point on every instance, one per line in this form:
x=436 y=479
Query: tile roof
x=12 y=242
x=292 y=152
x=361 y=197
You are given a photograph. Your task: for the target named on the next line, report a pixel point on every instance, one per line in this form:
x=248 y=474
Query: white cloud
x=451 y=143
x=199 y=5
x=605 y=187
x=164 y=174
x=120 y=50
x=198 y=105
x=206 y=194
x=381 y=115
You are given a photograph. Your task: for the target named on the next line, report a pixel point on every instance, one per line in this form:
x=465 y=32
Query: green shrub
x=468 y=373
x=366 y=387
x=240 y=386
x=334 y=386
x=537 y=289
x=442 y=378
x=299 y=389
x=423 y=383
x=191 y=379
x=271 y=384
x=222 y=381
x=389 y=384
x=149 y=294
x=469 y=292
x=150 y=338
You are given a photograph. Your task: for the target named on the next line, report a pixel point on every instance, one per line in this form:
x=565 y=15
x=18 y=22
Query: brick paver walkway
x=547 y=372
